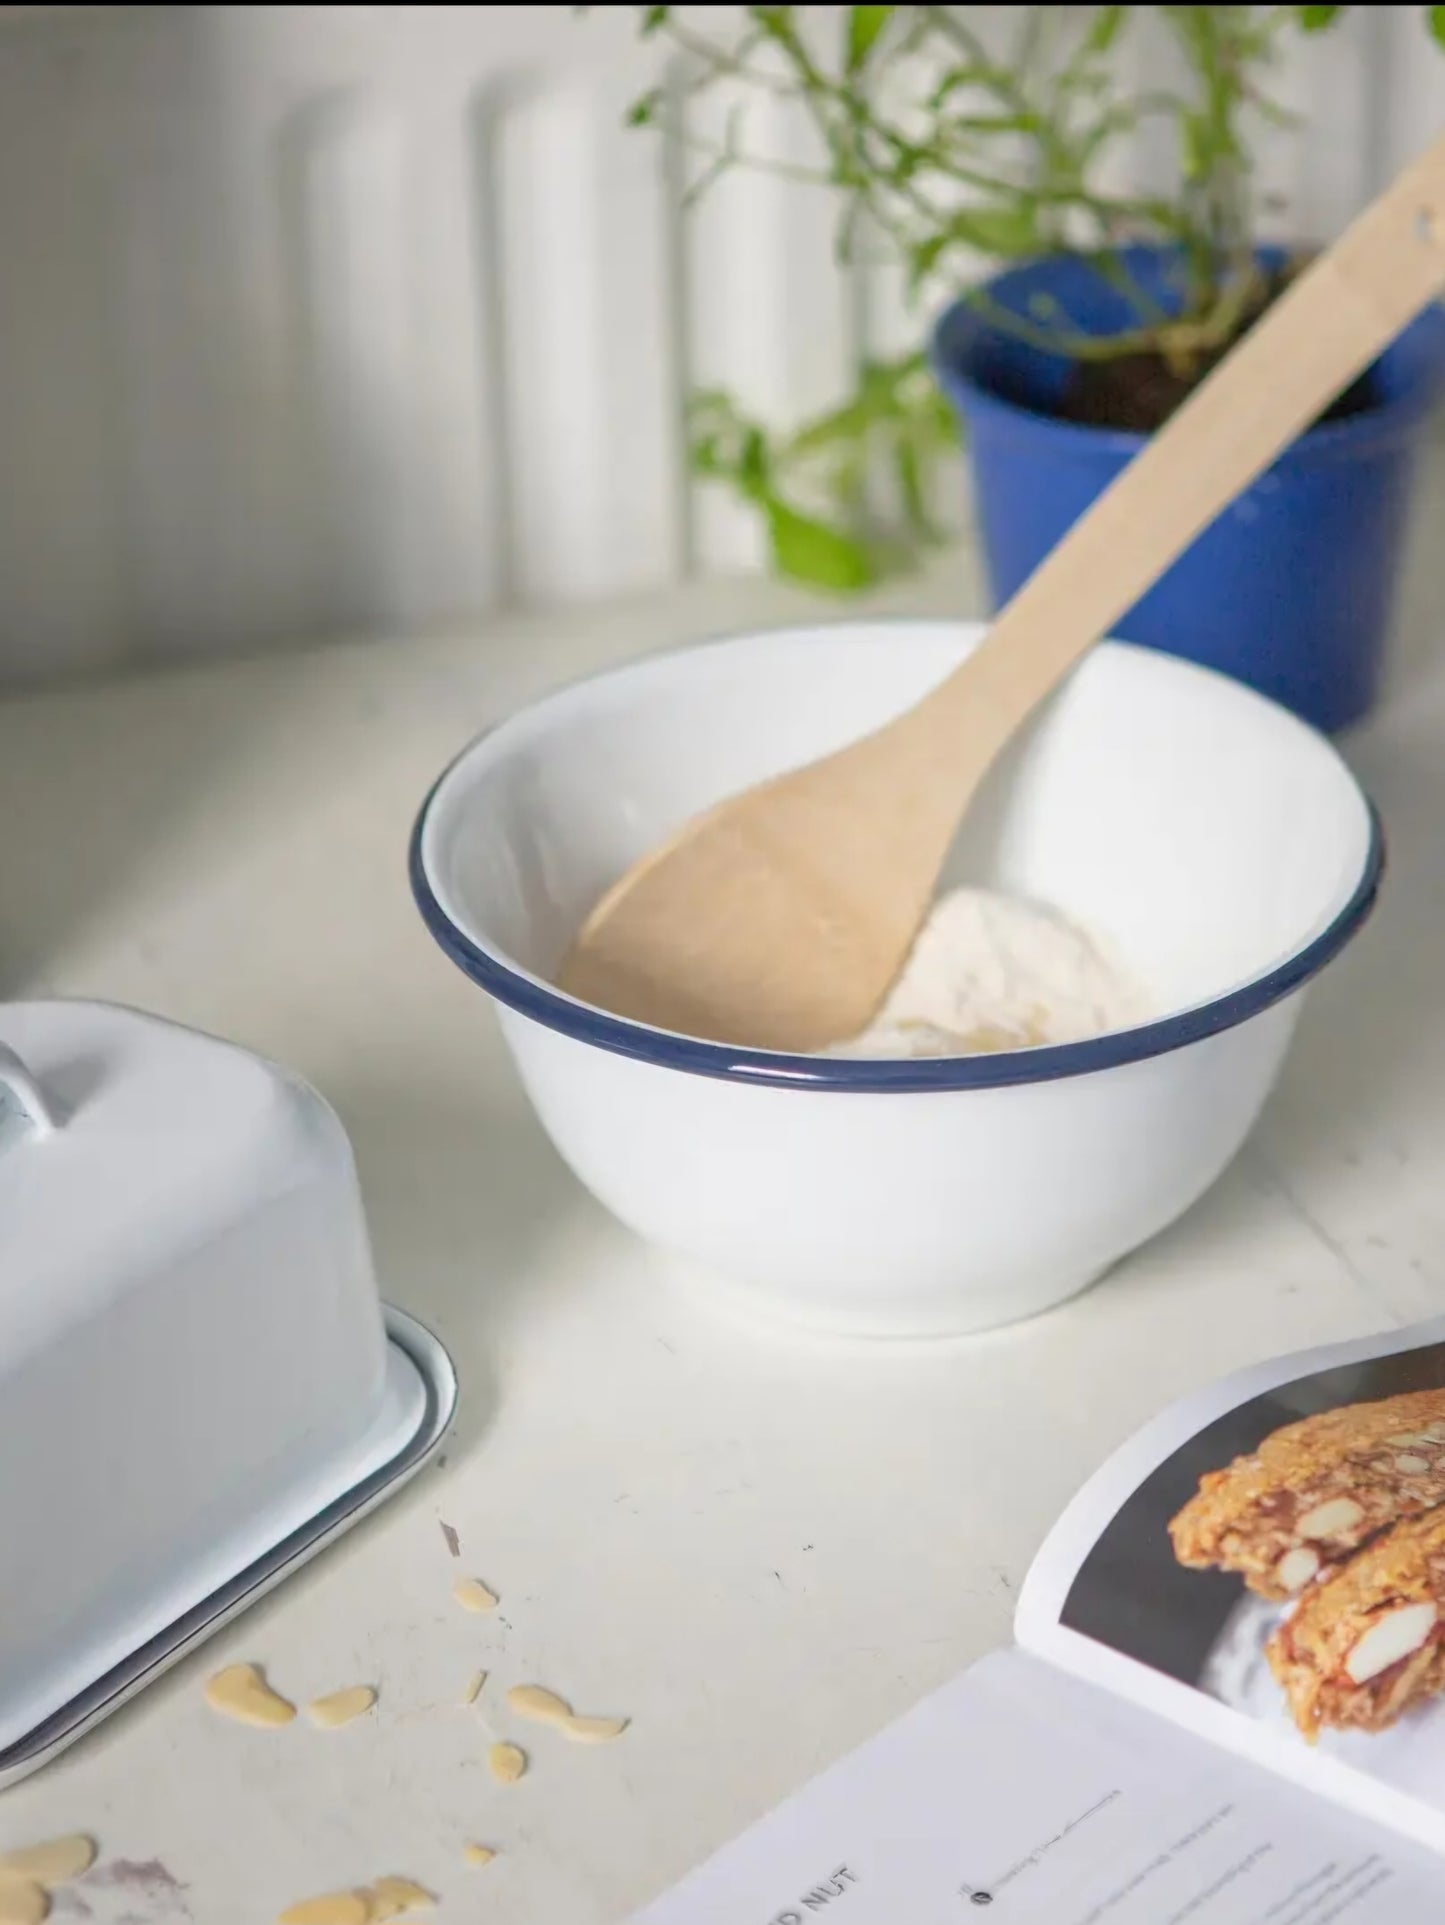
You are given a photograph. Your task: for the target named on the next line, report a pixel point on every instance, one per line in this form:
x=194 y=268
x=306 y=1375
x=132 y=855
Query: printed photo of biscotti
x=1315 y=1491
x=1368 y=1644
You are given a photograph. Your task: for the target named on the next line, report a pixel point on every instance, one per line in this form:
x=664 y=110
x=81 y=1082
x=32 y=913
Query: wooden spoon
x=780 y=918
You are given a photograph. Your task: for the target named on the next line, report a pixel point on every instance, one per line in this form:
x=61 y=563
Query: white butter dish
x=198 y=1384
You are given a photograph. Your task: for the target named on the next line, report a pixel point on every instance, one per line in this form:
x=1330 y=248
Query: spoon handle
x=1343 y=310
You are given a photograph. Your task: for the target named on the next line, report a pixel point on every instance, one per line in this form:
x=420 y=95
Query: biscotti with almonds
x=1368 y=1644
x=1315 y=1491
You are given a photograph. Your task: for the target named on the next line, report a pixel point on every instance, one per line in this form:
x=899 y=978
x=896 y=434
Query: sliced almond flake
x=1296 y=1568
x=473 y=1595
x=54 y=1863
x=331 y=1908
x=341 y=1707
x=507 y=1763
x=241 y=1692
x=22 y=1900
x=1334 y=1515
x=1395 y=1634
x=536 y=1701
x=391 y=1897
x=594 y=1731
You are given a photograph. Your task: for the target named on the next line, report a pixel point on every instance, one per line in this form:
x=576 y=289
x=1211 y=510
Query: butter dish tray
x=199 y=1385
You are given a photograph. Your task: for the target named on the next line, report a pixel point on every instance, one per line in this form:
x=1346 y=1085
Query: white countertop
x=758 y=1547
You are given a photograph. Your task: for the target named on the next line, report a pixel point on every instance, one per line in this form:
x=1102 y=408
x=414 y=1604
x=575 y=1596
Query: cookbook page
x=1265 y=1564
x=1026 y=1792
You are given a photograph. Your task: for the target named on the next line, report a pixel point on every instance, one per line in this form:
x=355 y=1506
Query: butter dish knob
x=23 y=1108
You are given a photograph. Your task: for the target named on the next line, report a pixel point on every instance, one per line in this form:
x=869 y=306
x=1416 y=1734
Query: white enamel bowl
x=1222 y=846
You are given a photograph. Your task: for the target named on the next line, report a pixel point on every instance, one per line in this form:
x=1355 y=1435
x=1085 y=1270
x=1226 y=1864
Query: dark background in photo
x=1130 y=1592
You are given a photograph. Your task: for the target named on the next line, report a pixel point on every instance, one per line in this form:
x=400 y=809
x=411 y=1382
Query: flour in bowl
x=993 y=972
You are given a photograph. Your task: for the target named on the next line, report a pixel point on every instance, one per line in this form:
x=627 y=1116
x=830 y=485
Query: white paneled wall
x=322 y=318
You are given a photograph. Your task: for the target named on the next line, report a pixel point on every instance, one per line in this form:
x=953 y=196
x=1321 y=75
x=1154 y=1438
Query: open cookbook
x=1225 y=1705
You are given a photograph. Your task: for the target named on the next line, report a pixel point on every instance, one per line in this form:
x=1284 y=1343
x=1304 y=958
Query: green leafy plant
x=948 y=153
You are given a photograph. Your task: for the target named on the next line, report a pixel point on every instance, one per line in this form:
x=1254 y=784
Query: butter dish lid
x=119 y=1133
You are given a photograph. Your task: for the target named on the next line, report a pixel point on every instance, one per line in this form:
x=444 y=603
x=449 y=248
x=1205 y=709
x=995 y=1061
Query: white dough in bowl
x=993 y=972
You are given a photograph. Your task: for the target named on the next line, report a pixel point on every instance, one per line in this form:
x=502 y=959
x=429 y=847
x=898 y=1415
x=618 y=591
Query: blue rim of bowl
x=885 y=1076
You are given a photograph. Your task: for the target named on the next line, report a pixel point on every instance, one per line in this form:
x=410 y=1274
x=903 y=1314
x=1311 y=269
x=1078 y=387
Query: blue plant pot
x=1291 y=589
